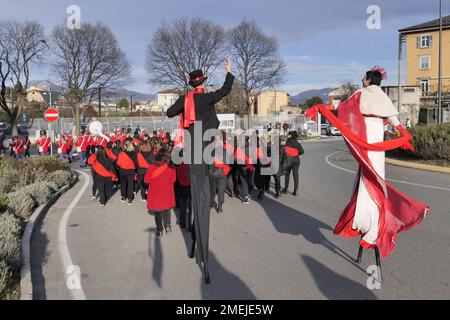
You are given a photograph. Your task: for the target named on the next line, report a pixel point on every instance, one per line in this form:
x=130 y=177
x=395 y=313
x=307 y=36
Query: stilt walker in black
x=198 y=107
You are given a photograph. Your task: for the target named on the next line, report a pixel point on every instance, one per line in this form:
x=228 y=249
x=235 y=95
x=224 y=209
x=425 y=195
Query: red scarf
x=187 y=118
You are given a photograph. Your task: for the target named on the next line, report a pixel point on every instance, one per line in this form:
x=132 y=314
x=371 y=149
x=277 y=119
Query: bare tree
x=87 y=59
x=258 y=63
x=347 y=90
x=184 y=46
x=21 y=44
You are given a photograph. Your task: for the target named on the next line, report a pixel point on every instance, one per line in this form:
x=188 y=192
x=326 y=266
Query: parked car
x=333 y=131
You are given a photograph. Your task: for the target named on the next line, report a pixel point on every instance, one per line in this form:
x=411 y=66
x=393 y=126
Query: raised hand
x=228 y=65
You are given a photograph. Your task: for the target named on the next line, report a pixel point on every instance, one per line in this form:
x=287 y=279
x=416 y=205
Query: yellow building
x=35 y=94
x=422 y=56
x=270 y=102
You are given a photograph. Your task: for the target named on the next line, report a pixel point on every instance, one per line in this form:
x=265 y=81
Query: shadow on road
x=290 y=221
x=39 y=257
x=224 y=284
x=157 y=256
x=334 y=286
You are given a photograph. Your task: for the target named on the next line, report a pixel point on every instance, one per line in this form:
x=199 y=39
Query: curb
x=26 y=284
x=418 y=166
x=311 y=140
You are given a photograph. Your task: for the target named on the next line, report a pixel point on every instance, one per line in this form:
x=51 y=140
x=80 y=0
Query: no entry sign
x=51 y=115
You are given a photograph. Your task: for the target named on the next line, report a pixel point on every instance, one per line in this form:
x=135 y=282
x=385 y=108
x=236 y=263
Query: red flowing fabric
x=187 y=118
x=397 y=212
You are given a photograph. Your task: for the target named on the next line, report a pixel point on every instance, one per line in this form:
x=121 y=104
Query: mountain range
x=303 y=96
x=47 y=85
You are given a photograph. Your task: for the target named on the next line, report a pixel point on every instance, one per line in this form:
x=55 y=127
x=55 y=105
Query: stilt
x=194 y=240
x=206 y=272
x=360 y=253
x=378 y=261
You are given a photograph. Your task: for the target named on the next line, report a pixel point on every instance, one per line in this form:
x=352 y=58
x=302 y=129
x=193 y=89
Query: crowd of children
x=140 y=165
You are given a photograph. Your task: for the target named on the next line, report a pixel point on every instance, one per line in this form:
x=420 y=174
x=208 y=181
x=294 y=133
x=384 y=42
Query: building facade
x=167 y=98
x=422 y=56
x=270 y=102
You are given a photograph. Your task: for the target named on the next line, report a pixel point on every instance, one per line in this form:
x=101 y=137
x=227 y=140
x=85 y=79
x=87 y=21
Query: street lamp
x=440 y=66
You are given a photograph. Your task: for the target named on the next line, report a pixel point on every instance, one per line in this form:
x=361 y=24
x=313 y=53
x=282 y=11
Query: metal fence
x=295 y=122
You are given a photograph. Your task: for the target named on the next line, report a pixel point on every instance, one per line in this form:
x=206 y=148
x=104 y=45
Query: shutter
x=418 y=41
x=431 y=41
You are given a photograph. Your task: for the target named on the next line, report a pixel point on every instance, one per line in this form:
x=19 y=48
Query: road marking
x=77 y=294
x=327 y=160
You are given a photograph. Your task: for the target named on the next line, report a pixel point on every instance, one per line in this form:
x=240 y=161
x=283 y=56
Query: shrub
x=60 y=178
x=5 y=275
x=10 y=237
x=21 y=203
x=45 y=164
x=432 y=142
x=3 y=202
x=41 y=191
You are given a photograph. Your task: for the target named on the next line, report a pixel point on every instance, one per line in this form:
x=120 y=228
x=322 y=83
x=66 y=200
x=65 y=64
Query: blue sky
x=323 y=42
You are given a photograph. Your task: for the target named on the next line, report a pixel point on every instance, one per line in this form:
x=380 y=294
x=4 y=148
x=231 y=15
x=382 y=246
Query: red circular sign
x=51 y=115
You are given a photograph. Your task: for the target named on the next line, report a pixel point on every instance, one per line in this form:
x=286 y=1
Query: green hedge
x=432 y=142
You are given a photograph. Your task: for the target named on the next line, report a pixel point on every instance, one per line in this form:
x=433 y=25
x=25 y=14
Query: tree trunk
x=249 y=112
x=77 y=120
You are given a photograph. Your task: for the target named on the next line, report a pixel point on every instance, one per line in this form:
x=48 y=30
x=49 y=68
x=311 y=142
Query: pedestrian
x=199 y=107
x=160 y=178
x=219 y=177
x=184 y=194
x=105 y=175
x=127 y=163
x=262 y=182
x=244 y=169
x=44 y=144
x=145 y=158
x=27 y=146
x=81 y=144
x=91 y=161
x=293 y=150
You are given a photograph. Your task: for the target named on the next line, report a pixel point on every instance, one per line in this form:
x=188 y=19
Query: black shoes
x=168 y=228
x=295 y=193
x=219 y=209
x=285 y=191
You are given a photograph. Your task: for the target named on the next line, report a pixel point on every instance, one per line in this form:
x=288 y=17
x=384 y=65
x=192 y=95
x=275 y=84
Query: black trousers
x=184 y=197
x=105 y=187
x=94 y=183
x=127 y=186
x=294 y=168
x=140 y=185
x=262 y=183
x=242 y=176
x=218 y=185
x=201 y=200
x=162 y=218
x=277 y=184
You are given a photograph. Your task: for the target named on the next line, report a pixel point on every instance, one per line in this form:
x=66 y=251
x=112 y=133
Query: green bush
x=10 y=237
x=21 y=203
x=44 y=164
x=432 y=142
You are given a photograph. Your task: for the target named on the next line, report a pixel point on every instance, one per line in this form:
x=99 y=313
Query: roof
x=427 y=26
x=168 y=91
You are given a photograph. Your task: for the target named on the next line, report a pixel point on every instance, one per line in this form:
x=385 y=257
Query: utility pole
x=401 y=39
x=440 y=66
x=131 y=98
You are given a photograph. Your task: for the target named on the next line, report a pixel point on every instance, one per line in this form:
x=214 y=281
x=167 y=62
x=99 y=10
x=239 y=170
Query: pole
x=440 y=66
x=400 y=57
x=131 y=98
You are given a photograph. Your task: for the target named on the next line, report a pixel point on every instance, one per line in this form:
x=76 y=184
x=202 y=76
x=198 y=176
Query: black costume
x=200 y=190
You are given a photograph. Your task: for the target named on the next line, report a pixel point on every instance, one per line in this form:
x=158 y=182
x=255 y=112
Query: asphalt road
x=274 y=249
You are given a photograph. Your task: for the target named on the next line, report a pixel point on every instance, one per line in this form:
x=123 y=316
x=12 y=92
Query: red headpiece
x=380 y=70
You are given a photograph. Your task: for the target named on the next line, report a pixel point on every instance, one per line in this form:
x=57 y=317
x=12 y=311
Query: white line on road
x=327 y=160
x=77 y=293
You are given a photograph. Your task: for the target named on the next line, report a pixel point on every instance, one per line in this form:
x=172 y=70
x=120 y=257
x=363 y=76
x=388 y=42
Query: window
x=425 y=41
x=424 y=86
x=425 y=62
